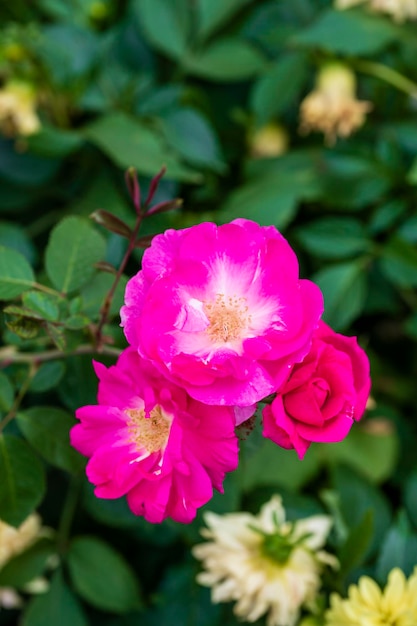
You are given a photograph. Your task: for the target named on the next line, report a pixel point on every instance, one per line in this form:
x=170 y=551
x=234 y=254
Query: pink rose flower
x=221 y=310
x=148 y=440
x=323 y=395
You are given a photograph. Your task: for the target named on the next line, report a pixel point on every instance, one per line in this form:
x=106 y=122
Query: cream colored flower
x=367 y=605
x=267 y=565
x=268 y=141
x=18 y=109
x=399 y=10
x=332 y=107
x=13 y=541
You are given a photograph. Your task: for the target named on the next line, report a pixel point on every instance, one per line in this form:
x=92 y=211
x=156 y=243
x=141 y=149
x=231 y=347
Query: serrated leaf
x=47 y=430
x=349 y=32
x=77 y=322
x=22 y=481
x=24 y=327
x=57 y=335
x=44 y=304
x=73 y=248
x=226 y=60
x=130 y=143
x=57 y=606
x=101 y=576
x=344 y=289
x=278 y=87
x=16 y=275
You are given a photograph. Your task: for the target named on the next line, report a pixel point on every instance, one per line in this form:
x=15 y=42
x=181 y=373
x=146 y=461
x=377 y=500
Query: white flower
x=332 y=107
x=399 y=10
x=13 y=541
x=265 y=564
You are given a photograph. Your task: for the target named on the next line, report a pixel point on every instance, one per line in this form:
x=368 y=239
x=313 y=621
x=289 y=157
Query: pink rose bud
x=323 y=395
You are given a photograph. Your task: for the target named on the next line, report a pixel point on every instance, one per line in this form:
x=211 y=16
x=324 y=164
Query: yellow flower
x=18 y=109
x=13 y=541
x=399 y=10
x=268 y=141
x=267 y=565
x=367 y=605
x=332 y=107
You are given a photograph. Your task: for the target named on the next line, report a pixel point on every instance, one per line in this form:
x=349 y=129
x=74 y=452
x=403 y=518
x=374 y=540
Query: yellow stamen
x=149 y=433
x=228 y=317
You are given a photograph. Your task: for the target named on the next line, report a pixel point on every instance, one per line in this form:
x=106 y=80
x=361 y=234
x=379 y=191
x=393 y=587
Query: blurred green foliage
x=189 y=84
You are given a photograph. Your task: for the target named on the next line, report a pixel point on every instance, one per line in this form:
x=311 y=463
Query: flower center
x=228 y=316
x=149 y=433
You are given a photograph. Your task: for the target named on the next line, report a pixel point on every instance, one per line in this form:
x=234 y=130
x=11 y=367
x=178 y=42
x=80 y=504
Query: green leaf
x=101 y=576
x=351 y=182
x=399 y=262
x=344 y=289
x=22 y=482
x=349 y=32
x=43 y=304
x=369 y=451
x=354 y=550
x=226 y=60
x=24 y=327
x=278 y=88
x=48 y=376
x=272 y=465
x=57 y=335
x=73 y=247
x=54 y=142
x=334 y=237
x=399 y=549
x=77 y=322
x=357 y=497
x=47 y=430
x=57 y=606
x=188 y=132
x=13 y=236
x=129 y=143
x=271 y=199
x=6 y=392
x=165 y=24
x=212 y=14
x=410 y=496
x=94 y=293
x=24 y=567
x=16 y=275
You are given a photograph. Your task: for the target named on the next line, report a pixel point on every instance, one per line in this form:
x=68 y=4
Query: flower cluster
x=269 y=566
x=367 y=604
x=217 y=319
